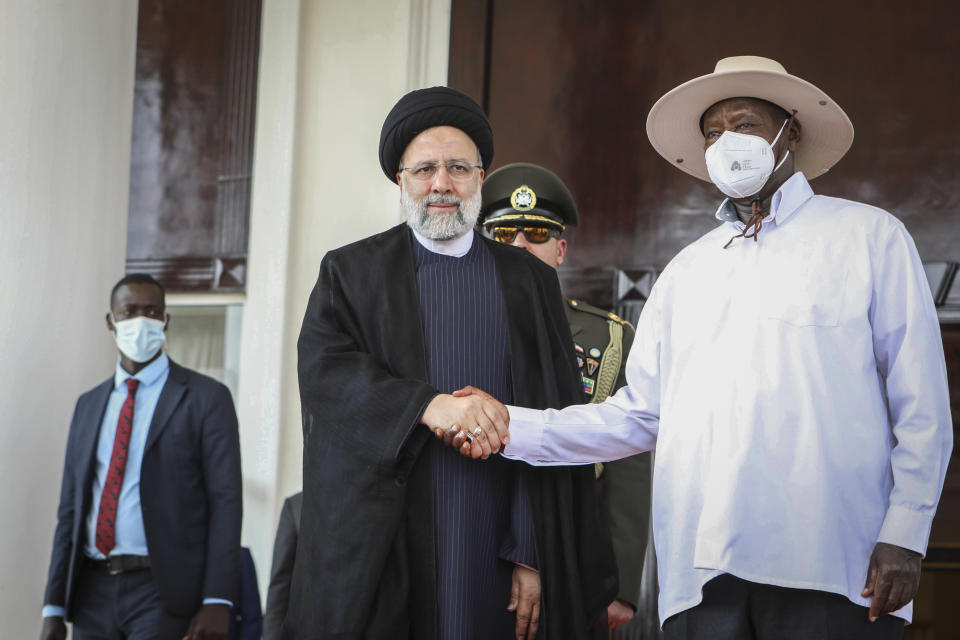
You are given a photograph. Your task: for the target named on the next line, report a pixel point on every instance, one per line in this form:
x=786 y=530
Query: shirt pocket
x=805 y=288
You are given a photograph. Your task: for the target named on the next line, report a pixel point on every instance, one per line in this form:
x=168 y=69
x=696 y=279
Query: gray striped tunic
x=483 y=523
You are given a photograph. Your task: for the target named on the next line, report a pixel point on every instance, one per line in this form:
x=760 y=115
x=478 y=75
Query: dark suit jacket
x=190 y=493
x=246 y=618
x=366 y=534
x=284 y=557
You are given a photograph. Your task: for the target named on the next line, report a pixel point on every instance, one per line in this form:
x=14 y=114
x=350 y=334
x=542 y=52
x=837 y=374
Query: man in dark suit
x=147 y=543
x=284 y=557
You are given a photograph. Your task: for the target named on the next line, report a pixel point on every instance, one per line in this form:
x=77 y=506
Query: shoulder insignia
x=608 y=316
x=616 y=318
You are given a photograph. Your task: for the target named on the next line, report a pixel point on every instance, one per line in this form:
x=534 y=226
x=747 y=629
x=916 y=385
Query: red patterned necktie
x=107 y=516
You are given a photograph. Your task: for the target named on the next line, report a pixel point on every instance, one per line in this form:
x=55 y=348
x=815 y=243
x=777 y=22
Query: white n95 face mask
x=139 y=338
x=740 y=164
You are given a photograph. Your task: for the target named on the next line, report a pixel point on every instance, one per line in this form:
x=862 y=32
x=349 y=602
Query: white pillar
x=66 y=72
x=329 y=73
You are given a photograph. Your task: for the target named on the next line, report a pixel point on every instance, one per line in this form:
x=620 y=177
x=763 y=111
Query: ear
x=482 y=174
x=166 y=322
x=794 y=135
x=561 y=250
x=109 y=319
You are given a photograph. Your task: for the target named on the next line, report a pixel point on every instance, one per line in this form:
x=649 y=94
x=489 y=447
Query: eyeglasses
x=458 y=170
x=534 y=235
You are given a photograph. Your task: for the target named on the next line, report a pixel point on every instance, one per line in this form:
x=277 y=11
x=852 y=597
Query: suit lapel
x=89 y=423
x=170 y=397
x=530 y=325
x=403 y=301
x=511 y=274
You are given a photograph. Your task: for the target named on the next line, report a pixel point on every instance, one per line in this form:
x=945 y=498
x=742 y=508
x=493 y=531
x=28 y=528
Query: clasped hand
x=470 y=420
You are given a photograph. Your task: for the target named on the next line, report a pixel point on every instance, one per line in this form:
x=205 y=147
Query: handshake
x=470 y=420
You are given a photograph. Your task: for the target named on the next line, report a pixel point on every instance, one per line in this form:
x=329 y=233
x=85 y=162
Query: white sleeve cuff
x=53 y=611
x=907 y=528
x=217 y=601
x=526 y=435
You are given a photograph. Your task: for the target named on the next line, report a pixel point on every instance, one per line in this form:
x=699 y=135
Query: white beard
x=441 y=226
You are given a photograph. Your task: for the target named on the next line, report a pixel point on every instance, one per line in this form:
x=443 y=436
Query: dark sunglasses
x=534 y=235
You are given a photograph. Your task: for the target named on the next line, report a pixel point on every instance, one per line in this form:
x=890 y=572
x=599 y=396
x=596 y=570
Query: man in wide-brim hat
x=788 y=368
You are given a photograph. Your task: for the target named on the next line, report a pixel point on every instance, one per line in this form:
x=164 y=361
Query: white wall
x=66 y=77
x=329 y=73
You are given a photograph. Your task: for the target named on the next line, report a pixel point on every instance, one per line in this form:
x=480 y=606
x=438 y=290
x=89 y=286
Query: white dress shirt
x=130 y=536
x=796 y=393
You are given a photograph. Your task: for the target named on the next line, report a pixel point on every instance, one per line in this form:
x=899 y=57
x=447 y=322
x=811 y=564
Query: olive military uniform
x=526 y=198
x=602 y=341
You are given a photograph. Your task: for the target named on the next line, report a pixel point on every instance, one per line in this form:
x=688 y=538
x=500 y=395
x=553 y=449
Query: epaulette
x=616 y=318
x=579 y=305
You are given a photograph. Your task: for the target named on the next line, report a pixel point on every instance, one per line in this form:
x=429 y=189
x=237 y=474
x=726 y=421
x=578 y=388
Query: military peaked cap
x=524 y=193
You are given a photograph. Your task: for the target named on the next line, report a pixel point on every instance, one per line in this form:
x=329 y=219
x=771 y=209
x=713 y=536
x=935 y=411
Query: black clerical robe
x=366 y=557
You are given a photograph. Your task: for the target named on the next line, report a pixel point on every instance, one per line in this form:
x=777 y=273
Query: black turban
x=434 y=107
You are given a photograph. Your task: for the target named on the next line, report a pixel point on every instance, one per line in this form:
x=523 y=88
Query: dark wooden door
x=568 y=84
x=192 y=147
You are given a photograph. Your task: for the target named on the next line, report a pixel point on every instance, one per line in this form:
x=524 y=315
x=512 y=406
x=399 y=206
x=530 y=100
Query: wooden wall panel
x=469 y=33
x=194 y=98
x=946 y=526
x=570 y=83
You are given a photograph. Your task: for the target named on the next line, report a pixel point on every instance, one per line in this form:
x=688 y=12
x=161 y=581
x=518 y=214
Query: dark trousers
x=735 y=609
x=126 y=606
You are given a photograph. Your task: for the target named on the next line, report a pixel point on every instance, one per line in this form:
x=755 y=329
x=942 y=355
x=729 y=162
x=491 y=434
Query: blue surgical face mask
x=139 y=338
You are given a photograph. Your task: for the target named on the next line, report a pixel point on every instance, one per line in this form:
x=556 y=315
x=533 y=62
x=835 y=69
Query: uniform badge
x=588 y=385
x=595 y=352
x=592 y=366
x=579 y=362
x=578 y=347
x=523 y=198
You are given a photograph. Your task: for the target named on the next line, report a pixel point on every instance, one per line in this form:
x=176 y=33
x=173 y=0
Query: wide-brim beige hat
x=673 y=124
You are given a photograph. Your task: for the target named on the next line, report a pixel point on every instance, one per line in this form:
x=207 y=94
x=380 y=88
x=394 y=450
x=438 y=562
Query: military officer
x=529 y=207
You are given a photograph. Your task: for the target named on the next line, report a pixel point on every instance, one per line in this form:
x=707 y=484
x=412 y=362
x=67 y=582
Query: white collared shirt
x=796 y=393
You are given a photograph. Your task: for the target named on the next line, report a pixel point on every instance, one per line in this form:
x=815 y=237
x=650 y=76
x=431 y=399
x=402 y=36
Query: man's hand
x=460 y=439
x=618 y=613
x=54 y=628
x=892 y=579
x=525 y=600
x=472 y=411
x=211 y=622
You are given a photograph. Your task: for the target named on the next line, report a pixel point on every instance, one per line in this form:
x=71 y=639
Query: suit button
x=401 y=480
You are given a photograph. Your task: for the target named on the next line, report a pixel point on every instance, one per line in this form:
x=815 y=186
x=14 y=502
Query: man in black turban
x=401 y=537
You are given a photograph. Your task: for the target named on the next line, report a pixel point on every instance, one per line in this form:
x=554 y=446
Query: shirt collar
x=784 y=203
x=456 y=247
x=147 y=376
